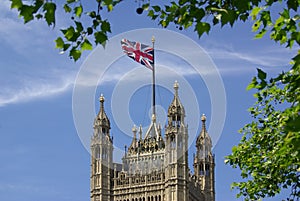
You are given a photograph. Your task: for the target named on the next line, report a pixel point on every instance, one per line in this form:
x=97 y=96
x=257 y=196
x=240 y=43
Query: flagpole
x=153 y=78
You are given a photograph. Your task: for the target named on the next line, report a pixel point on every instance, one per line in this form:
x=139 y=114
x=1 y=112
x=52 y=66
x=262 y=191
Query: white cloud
x=32 y=68
x=263 y=52
x=31 y=89
x=23 y=38
x=117 y=71
x=258 y=58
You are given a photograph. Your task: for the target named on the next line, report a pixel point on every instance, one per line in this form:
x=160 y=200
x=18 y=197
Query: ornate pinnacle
x=101 y=99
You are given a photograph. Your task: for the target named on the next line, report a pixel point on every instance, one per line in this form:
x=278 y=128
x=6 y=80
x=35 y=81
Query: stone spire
x=102 y=119
x=140 y=132
x=204 y=139
x=101 y=156
x=133 y=146
x=204 y=162
x=176 y=155
x=176 y=112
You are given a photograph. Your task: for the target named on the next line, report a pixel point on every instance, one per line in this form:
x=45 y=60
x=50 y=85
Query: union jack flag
x=141 y=53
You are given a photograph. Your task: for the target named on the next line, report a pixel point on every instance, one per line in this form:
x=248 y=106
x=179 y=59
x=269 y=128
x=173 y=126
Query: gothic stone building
x=155 y=167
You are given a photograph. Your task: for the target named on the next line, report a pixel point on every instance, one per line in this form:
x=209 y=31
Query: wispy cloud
x=34 y=88
x=262 y=54
x=123 y=66
x=164 y=69
x=32 y=67
x=269 y=59
x=20 y=36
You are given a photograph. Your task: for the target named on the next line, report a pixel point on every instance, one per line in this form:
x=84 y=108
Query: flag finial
x=153 y=39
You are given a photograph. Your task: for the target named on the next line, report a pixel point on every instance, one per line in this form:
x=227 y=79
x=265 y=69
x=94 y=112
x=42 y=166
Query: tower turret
x=204 y=162
x=176 y=163
x=102 y=157
x=176 y=112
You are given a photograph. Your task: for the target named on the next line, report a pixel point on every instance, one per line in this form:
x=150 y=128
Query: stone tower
x=155 y=165
x=102 y=157
x=176 y=155
x=204 y=163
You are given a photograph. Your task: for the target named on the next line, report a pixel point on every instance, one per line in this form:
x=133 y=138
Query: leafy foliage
x=76 y=38
x=201 y=15
x=268 y=154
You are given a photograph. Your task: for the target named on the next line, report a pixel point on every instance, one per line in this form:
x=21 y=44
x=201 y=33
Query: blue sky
x=41 y=153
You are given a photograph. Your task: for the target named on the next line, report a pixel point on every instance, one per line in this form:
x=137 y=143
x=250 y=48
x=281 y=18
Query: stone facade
x=155 y=167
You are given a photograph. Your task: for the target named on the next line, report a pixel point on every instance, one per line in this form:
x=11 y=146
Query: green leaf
x=202 y=27
x=96 y=23
x=292 y=4
x=156 y=8
x=79 y=26
x=67 y=8
x=59 y=43
x=182 y=2
x=296 y=37
x=285 y=14
x=252 y=85
x=110 y=7
x=75 y=54
x=260 y=34
x=39 y=16
x=37 y=5
x=164 y=23
x=105 y=26
x=89 y=30
x=71 y=1
x=100 y=37
x=266 y=18
x=78 y=10
x=256 y=25
x=86 y=45
x=255 y=12
x=27 y=13
x=145 y=6
x=17 y=4
x=92 y=14
x=69 y=33
x=261 y=74
x=49 y=9
x=66 y=46
x=228 y=17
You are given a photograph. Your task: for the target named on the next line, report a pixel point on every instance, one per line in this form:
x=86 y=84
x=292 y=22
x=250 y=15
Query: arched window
x=207 y=169
x=178 y=121
x=201 y=169
x=104 y=153
x=173 y=141
x=97 y=152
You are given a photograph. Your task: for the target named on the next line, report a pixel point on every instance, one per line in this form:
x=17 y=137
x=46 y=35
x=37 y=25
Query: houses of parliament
x=155 y=165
